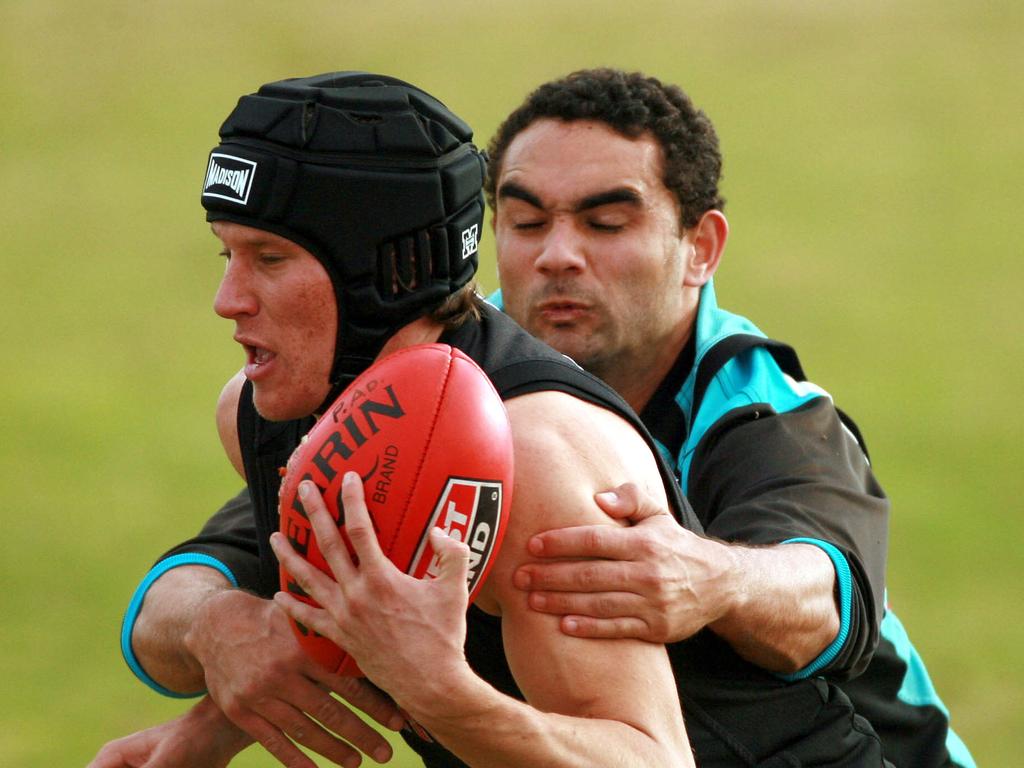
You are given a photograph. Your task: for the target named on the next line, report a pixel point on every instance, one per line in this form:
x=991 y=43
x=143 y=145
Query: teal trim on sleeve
x=135 y=605
x=845 y=579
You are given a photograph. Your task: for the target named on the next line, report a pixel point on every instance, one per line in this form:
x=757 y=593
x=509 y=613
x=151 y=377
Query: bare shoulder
x=227 y=420
x=574 y=448
x=566 y=450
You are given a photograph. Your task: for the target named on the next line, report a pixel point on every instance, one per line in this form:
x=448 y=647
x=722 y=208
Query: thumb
x=627 y=502
x=452 y=558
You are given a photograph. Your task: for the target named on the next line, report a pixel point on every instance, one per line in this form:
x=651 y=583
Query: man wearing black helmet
x=349 y=206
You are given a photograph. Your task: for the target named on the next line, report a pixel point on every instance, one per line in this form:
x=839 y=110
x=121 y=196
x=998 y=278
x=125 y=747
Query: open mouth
x=257 y=355
x=256 y=359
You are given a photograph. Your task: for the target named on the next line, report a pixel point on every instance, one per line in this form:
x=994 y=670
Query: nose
x=563 y=251
x=234 y=296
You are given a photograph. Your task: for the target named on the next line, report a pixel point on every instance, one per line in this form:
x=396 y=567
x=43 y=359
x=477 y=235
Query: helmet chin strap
x=364 y=347
x=360 y=348
x=346 y=370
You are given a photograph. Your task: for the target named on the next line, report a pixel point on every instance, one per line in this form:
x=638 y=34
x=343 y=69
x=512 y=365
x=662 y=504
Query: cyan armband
x=135 y=605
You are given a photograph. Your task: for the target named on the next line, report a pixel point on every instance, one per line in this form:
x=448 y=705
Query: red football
x=430 y=437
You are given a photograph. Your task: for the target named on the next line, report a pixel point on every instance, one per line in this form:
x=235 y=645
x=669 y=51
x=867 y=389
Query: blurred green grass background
x=874 y=157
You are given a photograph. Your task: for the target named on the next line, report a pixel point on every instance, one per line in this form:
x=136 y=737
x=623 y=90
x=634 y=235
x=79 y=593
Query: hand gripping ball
x=430 y=437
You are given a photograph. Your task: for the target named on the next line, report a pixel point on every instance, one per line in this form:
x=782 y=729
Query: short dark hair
x=630 y=103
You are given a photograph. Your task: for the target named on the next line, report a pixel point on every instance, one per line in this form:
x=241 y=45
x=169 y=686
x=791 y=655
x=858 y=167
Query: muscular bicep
x=557 y=472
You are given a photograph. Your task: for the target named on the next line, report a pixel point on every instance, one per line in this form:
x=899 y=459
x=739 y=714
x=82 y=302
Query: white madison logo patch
x=229 y=178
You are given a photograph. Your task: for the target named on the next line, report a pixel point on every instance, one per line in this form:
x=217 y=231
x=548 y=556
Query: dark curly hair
x=630 y=103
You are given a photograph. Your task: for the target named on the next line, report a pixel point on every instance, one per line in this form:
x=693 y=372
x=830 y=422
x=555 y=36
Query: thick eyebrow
x=513 y=190
x=618 y=195
x=608 y=197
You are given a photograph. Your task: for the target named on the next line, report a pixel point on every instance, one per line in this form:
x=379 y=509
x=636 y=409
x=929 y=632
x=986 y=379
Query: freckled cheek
x=313 y=330
x=320 y=343
x=328 y=328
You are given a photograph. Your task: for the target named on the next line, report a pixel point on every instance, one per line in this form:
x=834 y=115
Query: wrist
x=733 y=594
x=209 y=613
x=456 y=695
x=161 y=633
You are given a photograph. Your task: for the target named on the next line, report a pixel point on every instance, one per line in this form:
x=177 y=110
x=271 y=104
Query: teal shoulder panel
x=751 y=378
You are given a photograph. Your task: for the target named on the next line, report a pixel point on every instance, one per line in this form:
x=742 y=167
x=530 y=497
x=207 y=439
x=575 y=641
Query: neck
x=638 y=380
x=638 y=373
x=422 y=330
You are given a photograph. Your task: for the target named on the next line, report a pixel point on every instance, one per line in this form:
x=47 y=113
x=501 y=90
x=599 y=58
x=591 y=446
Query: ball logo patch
x=469 y=511
x=229 y=178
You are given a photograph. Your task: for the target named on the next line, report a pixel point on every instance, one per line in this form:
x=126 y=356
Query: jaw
x=582 y=343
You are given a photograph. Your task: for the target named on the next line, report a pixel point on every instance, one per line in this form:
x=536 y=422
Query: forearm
x=202 y=736
x=780 y=606
x=169 y=612
x=486 y=728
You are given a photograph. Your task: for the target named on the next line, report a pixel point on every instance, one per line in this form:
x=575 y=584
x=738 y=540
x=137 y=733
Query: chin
x=568 y=342
x=277 y=409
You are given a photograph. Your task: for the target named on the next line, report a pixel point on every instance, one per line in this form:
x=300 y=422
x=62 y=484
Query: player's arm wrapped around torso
x=760 y=477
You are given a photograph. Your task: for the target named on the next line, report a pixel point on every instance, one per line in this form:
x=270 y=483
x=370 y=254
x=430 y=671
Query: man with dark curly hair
x=609 y=226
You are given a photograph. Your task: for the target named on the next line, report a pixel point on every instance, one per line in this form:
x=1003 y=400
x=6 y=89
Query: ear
x=708 y=238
